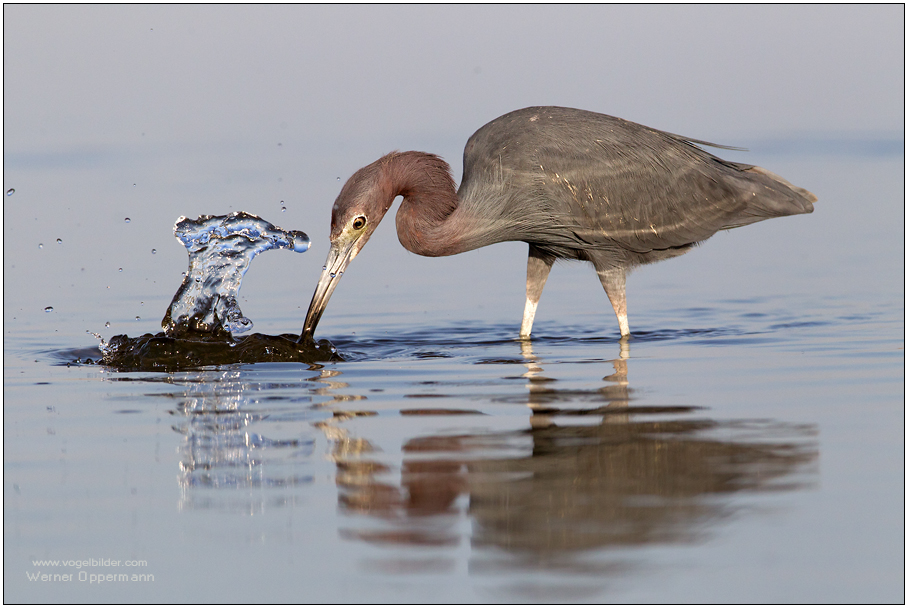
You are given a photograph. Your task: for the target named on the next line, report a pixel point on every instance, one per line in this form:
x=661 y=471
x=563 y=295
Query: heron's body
x=570 y=183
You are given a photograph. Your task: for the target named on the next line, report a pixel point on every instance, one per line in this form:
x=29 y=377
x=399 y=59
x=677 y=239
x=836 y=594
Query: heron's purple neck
x=428 y=222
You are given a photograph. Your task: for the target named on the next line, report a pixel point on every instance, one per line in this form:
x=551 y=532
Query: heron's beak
x=343 y=250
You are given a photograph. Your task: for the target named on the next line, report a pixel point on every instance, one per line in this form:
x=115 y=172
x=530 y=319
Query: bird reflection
x=587 y=469
x=615 y=393
x=592 y=470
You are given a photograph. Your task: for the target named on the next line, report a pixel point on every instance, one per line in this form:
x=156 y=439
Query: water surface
x=745 y=446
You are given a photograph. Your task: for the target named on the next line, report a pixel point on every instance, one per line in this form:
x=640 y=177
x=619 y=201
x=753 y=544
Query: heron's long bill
x=338 y=258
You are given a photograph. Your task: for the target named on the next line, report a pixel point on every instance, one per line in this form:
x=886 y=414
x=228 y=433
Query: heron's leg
x=538 y=267
x=613 y=280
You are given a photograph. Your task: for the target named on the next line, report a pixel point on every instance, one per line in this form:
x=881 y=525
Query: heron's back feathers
x=607 y=183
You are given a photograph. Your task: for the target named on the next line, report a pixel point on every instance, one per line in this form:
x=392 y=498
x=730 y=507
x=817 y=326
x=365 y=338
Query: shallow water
x=747 y=445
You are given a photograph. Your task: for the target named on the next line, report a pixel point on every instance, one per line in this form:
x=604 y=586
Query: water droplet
x=141 y=303
x=137 y=317
x=120 y=270
x=49 y=309
x=127 y=220
x=333 y=275
x=10 y=192
x=134 y=184
x=154 y=251
x=107 y=324
x=40 y=245
x=59 y=241
x=324 y=268
x=283 y=209
x=282 y=202
x=338 y=179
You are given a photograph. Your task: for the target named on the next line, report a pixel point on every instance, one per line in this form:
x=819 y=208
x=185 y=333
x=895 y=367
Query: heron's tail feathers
x=771 y=196
x=807 y=198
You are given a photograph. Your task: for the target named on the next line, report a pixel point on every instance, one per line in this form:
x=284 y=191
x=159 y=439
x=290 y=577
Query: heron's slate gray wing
x=604 y=181
x=646 y=190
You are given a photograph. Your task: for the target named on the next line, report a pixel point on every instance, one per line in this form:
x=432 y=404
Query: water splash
x=220 y=251
x=204 y=314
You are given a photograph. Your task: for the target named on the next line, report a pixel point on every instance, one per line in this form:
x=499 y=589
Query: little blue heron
x=572 y=184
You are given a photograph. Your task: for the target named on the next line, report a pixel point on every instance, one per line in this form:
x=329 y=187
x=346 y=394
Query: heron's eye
x=359 y=223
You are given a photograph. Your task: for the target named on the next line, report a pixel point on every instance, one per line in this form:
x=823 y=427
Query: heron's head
x=362 y=203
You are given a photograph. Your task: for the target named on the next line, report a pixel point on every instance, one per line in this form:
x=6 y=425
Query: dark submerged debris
x=160 y=352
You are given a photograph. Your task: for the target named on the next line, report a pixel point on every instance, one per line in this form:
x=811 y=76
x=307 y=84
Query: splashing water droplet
x=154 y=251
x=103 y=345
x=59 y=241
x=127 y=220
x=220 y=250
x=10 y=192
x=49 y=309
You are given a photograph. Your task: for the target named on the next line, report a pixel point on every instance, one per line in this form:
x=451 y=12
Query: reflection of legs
x=538 y=267
x=612 y=280
x=537 y=420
